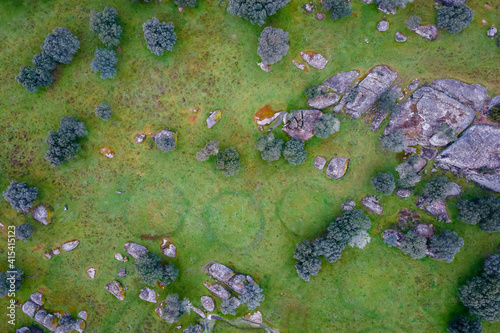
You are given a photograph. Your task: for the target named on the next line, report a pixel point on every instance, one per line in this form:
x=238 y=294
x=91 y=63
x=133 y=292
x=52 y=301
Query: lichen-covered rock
x=214 y=118
x=217 y=290
x=403 y=193
x=208 y=303
x=424 y=230
x=371 y=204
x=118 y=256
x=122 y=272
x=377 y=121
x=341 y=82
x=300 y=124
x=41 y=215
x=323 y=101
x=37 y=298
x=91 y=271
x=255 y=317
x=148 y=294
x=400 y=37
x=71 y=245
x=435 y=208
x=472 y=95
x=422 y=113
x=50 y=322
x=492 y=32
x=314 y=59
x=319 y=162
x=83 y=315
x=116 y=289
x=237 y=283
x=30 y=308
x=79 y=326
x=494 y=102
x=220 y=272
x=319 y=16
x=135 y=250
x=413 y=85
x=337 y=167
x=383 y=26
x=40 y=316
x=429 y=32
x=349 y=204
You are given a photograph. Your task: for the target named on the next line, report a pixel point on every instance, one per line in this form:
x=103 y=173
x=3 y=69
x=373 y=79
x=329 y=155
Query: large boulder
x=237 y=283
x=116 y=289
x=422 y=113
x=135 y=250
x=71 y=245
x=341 y=82
x=50 y=322
x=371 y=203
x=148 y=294
x=314 y=59
x=472 y=95
x=323 y=101
x=220 y=272
x=383 y=26
x=41 y=215
x=369 y=90
x=37 y=298
x=217 y=290
x=337 y=167
x=435 y=208
x=30 y=308
x=40 y=316
x=429 y=32
x=300 y=124
x=208 y=303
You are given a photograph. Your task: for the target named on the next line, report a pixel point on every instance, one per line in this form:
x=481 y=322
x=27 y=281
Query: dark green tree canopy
x=159 y=36
x=395 y=141
x=229 y=306
x=348 y=225
x=20 y=196
x=269 y=147
x=186 y=3
x=105 y=25
x=273 y=45
x=32 y=78
x=104 y=62
x=255 y=11
x=61 y=45
x=326 y=126
x=174 y=308
x=414 y=245
x=387 y=102
x=103 y=111
x=482 y=210
x=445 y=246
x=437 y=188
x=67 y=323
x=44 y=62
x=24 y=231
x=391 y=5
x=63 y=144
x=384 y=182
x=228 y=161
x=150 y=270
x=454 y=18
x=252 y=295
x=329 y=248
x=72 y=128
x=481 y=296
x=308 y=262
x=294 y=151
x=492 y=266
x=462 y=324
x=408 y=176
x=338 y=8
x=17 y=274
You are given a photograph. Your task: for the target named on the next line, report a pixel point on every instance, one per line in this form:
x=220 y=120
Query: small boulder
x=208 y=303
x=116 y=289
x=118 y=256
x=314 y=59
x=428 y=153
x=37 y=298
x=40 y=316
x=237 y=283
x=434 y=207
x=371 y=204
x=79 y=326
x=264 y=67
x=429 y=32
x=255 y=317
x=323 y=101
x=56 y=251
x=167 y=248
x=220 y=272
x=320 y=16
x=299 y=65
x=148 y=294
x=30 y=308
x=403 y=193
x=349 y=204
x=50 y=322
x=492 y=32
x=319 y=162
x=71 y=245
x=48 y=255
x=91 y=271
x=337 y=167
x=214 y=118
x=383 y=26
x=82 y=314
x=400 y=37
x=135 y=250
x=308 y=8
x=139 y=138
x=217 y=290
x=424 y=230
x=453 y=190
x=41 y=215
x=122 y=272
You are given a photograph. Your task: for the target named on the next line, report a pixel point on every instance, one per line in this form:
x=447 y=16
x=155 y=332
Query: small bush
x=314 y=91
x=228 y=162
x=294 y=151
x=437 y=188
x=255 y=11
x=338 y=8
x=24 y=231
x=103 y=111
x=495 y=111
x=32 y=78
x=326 y=126
x=269 y=147
x=413 y=23
x=387 y=103
x=395 y=141
x=273 y=45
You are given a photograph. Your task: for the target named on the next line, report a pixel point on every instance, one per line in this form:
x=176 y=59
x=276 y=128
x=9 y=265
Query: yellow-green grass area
x=250 y=227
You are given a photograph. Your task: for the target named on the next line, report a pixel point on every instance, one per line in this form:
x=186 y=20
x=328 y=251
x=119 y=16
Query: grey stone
x=377 y=121
x=319 y=16
x=472 y=95
x=23 y=330
x=197 y=327
x=323 y=101
x=428 y=153
x=40 y=316
x=319 y=162
x=341 y=82
x=255 y=317
x=208 y=303
x=494 y=102
x=492 y=32
x=389 y=9
x=237 y=283
x=403 y=193
x=300 y=124
x=299 y=65
x=170 y=251
x=41 y=215
x=122 y=272
x=383 y=26
x=91 y=272
x=413 y=85
x=135 y=250
x=424 y=230
x=368 y=1
x=421 y=114
x=37 y=298
x=118 y=256
x=71 y=245
x=30 y=308
x=435 y=208
x=116 y=289
x=433 y=170
x=490 y=181
x=264 y=67
x=50 y=322
x=349 y=204
x=214 y=118
x=371 y=203
x=79 y=326
x=48 y=255
x=220 y=272
x=429 y=32
x=315 y=60
x=439 y=140
x=453 y=189
x=83 y=315
x=308 y=8
x=217 y=290
x=139 y=138
x=337 y=167
x=56 y=251
x=400 y=37
x=148 y=294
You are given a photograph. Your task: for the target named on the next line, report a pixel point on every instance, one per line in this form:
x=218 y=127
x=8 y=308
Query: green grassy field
x=251 y=228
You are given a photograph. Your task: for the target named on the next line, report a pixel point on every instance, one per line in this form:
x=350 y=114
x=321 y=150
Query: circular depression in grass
x=159 y=205
x=235 y=220
x=304 y=209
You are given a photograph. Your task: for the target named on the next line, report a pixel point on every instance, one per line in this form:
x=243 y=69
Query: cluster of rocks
x=168 y=248
x=437 y=208
x=337 y=167
x=67 y=246
x=34 y=309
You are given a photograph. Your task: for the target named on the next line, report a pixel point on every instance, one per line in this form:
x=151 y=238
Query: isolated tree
x=105 y=25
x=455 y=18
x=229 y=306
x=413 y=23
x=61 y=45
x=159 y=36
x=387 y=102
x=269 y=147
x=255 y=11
x=44 y=62
x=186 y=3
x=273 y=45
x=67 y=323
x=481 y=296
x=338 y=8
x=329 y=248
x=445 y=246
x=461 y=324
x=437 y=188
x=61 y=148
x=326 y=126
x=12 y=276
x=384 y=182
x=166 y=140
x=252 y=295
x=103 y=111
x=492 y=266
x=314 y=91
x=104 y=62
x=395 y=141
x=24 y=231
x=294 y=151
x=414 y=245
x=174 y=308
x=228 y=162
x=20 y=196
x=150 y=270
x=308 y=262
x=32 y=78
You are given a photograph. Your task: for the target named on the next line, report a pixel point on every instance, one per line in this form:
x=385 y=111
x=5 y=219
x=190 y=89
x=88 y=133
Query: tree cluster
x=384 y=182
x=350 y=226
x=482 y=210
x=103 y=111
x=150 y=270
x=408 y=176
x=14 y=276
x=228 y=162
x=105 y=25
x=20 y=196
x=338 y=8
x=294 y=151
x=326 y=126
x=269 y=147
x=63 y=144
x=273 y=45
x=159 y=36
x=255 y=11
x=104 y=62
x=395 y=141
x=454 y=18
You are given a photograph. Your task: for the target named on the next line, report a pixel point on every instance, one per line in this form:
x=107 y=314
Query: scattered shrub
x=252 y=296
x=437 y=188
x=314 y=91
x=455 y=18
x=413 y=23
x=326 y=126
x=273 y=45
x=20 y=196
x=150 y=270
x=269 y=147
x=384 y=182
x=338 y=8
x=294 y=151
x=44 y=62
x=105 y=25
x=159 y=36
x=104 y=62
x=61 y=45
x=395 y=141
x=32 y=78
x=174 y=308
x=445 y=246
x=14 y=276
x=255 y=11
x=387 y=102
x=228 y=161
x=461 y=324
x=62 y=144
x=103 y=111
x=24 y=231
x=211 y=148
